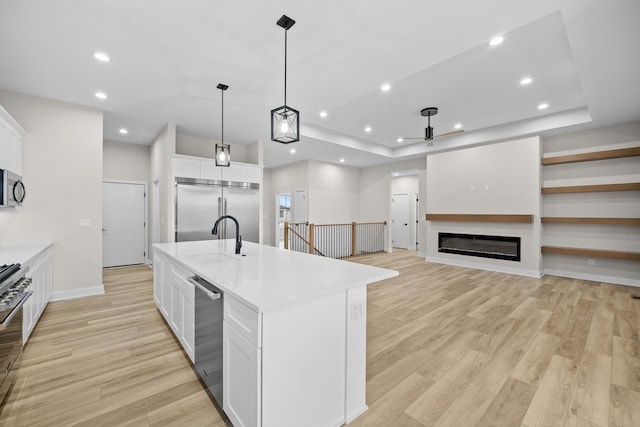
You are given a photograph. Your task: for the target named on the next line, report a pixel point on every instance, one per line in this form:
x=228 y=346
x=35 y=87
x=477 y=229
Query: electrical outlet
x=357 y=310
x=85 y=223
x=472 y=189
x=592 y=261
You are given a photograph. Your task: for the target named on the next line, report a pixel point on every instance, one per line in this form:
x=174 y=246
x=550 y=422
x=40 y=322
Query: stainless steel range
x=14 y=292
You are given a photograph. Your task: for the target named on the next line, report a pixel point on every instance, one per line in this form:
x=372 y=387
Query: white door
x=400 y=220
x=123 y=224
x=300 y=207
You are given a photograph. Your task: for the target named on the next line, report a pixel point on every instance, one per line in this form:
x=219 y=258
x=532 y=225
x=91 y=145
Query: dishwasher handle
x=212 y=295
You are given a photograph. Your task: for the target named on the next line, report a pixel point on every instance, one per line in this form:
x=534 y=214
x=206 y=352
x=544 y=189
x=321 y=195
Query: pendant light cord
x=222 y=133
x=285 y=70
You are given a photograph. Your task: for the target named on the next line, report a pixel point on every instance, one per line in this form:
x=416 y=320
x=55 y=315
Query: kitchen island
x=294 y=328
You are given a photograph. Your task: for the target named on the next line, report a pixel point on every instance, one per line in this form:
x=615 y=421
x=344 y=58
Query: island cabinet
x=174 y=296
x=294 y=329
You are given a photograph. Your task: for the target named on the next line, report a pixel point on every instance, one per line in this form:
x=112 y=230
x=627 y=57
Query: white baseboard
x=356 y=414
x=77 y=293
x=593 y=277
x=478 y=266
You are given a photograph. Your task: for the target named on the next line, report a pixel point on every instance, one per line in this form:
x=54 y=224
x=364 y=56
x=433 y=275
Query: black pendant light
x=223 y=151
x=285 y=121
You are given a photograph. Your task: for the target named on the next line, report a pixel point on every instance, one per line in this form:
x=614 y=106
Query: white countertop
x=266 y=277
x=21 y=253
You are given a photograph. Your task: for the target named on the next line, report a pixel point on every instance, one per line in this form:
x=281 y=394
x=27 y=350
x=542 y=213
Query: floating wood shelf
x=596 y=155
x=586 y=220
x=518 y=219
x=631 y=186
x=595 y=253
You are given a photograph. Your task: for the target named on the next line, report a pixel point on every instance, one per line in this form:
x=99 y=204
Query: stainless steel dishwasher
x=208 y=334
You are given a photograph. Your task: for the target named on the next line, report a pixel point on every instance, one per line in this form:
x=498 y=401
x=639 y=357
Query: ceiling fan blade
x=454 y=132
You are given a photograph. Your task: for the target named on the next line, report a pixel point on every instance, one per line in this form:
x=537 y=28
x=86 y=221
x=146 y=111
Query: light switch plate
x=85 y=223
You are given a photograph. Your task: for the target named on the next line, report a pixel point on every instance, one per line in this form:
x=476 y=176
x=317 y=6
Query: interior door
x=123 y=224
x=400 y=219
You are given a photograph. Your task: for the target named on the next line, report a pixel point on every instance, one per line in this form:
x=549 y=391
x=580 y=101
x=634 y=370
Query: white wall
x=126 y=162
x=624 y=204
x=334 y=193
x=62 y=172
x=375 y=193
x=283 y=179
x=501 y=178
x=160 y=167
x=203 y=147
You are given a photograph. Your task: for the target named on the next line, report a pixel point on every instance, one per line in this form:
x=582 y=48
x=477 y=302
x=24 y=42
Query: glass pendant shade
x=223 y=155
x=285 y=125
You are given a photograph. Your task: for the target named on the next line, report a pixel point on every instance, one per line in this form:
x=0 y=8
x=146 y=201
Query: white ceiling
x=168 y=57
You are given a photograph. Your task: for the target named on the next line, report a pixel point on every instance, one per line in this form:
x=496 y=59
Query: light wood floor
x=447 y=346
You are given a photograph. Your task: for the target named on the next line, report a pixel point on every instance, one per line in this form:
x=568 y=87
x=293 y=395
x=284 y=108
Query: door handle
x=406 y=223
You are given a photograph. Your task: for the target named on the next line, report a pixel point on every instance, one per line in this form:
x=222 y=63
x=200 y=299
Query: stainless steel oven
x=14 y=292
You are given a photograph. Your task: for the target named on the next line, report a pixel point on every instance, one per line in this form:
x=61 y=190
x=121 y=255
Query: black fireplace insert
x=498 y=247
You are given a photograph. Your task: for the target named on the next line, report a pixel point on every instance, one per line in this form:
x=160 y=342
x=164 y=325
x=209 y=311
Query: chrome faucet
x=238 y=237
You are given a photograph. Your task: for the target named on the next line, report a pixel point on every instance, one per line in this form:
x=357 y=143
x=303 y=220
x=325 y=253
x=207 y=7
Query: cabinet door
x=252 y=174
x=176 y=305
x=157 y=281
x=186 y=168
x=232 y=173
x=5 y=145
x=241 y=370
x=167 y=273
x=209 y=170
x=188 y=319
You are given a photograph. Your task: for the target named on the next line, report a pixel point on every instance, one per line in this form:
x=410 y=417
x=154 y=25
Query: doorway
x=124 y=223
x=283 y=214
x=400 y=220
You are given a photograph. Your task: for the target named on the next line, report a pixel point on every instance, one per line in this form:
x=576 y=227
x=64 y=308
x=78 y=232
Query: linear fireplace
x=498 y=247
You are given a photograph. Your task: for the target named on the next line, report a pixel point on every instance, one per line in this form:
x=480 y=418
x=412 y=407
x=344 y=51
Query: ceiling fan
x=428 y=131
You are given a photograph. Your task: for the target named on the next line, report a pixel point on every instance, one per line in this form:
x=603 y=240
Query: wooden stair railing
x=310 y=243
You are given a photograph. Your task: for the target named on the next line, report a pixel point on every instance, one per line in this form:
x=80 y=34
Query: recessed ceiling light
x=543 y=106
x=496 y=41
x=385 y=87
x=457 y=126
x=323 y=114
x=400 y=139
x=341 y=160
x=124 y=131
x=525 y=81
x=396 y=174
x=367 y=129
x=102 y=57
x=292 y=151
x=101 y=95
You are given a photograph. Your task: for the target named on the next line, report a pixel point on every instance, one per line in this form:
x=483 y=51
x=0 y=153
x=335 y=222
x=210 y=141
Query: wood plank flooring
x=446 y=346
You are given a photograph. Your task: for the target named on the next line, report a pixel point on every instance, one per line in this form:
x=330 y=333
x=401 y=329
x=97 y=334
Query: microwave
x=11 y=189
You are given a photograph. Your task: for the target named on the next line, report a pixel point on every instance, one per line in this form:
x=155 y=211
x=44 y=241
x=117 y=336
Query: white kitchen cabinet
x=203 y=168
x=157 y=280
x=40 y=271
x=209 y=170
x=188 y=336
x=174 y=296
x=10 y=143
x=241 y=379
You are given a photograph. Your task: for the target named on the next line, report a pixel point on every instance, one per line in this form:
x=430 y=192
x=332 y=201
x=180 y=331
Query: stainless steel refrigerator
x=200 y=202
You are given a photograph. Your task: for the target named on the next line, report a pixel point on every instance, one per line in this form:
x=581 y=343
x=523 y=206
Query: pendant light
x=285 y=121
x=223 y=151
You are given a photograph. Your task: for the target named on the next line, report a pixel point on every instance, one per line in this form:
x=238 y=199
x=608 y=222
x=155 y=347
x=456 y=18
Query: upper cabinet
x=10 y=143
x=202 y=168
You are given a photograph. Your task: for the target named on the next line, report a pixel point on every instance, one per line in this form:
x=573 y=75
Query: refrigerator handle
x=225 y=213
x=220 y=229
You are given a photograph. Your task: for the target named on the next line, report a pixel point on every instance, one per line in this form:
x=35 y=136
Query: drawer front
x=181 y=271
x=243 y=319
